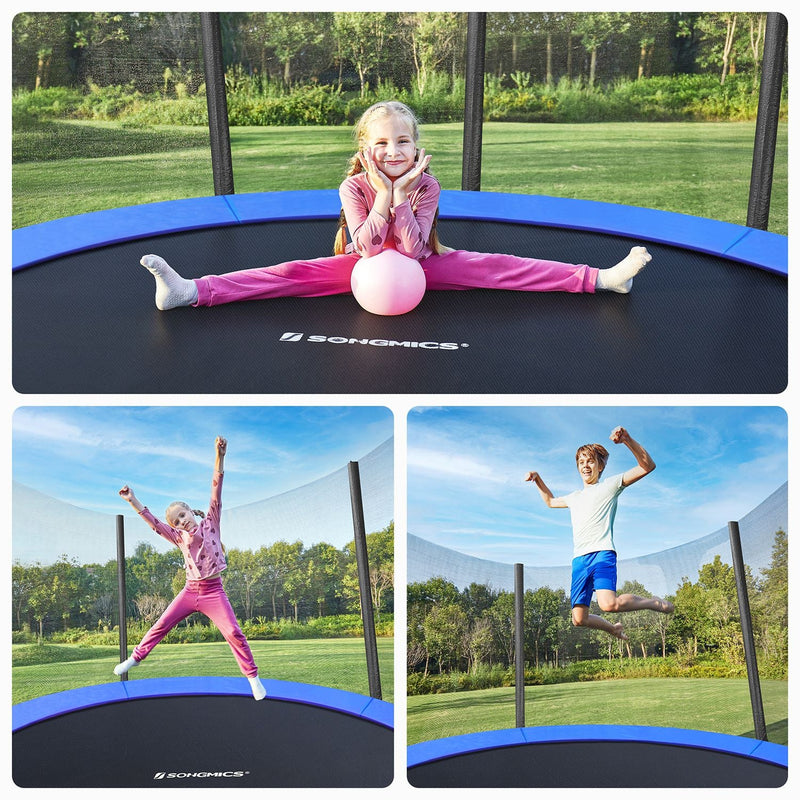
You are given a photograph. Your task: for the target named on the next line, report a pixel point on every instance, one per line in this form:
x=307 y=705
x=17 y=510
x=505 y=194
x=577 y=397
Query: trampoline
x=591 y=756
x=708 y=315
x=202 y=732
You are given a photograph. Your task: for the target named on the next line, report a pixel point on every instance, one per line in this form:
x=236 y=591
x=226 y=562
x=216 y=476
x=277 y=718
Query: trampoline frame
x=38 y=243
x=49 y=706
x=438 y=749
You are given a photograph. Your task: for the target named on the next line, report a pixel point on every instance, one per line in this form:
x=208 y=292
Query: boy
x=593 y=508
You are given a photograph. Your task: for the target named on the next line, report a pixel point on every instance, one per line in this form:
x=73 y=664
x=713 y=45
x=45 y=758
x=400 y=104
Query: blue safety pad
x=57 y=704
x=437 y=749
x=37 y=243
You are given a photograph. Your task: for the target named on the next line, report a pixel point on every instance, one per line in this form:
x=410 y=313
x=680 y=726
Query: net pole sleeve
x=362 y=562
x=216 y=99
x=519 y=644
x=121 y=593
x=753 y=681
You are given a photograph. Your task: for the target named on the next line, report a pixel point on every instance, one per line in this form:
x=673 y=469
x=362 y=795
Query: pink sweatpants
x=458 y=269
x=208 y=597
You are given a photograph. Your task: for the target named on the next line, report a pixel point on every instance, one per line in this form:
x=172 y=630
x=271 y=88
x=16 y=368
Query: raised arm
x=546 y=494
x=644 y=463
x=221 y=446
x=126 y=493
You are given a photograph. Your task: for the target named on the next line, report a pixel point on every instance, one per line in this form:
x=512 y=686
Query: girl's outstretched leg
x=462 y=269
x=172 y=290
x=619 y=278
x=317 y=277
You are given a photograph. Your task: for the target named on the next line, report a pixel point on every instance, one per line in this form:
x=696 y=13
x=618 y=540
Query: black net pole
x=759 y=723
x=519 y=643
x=221 y=163
x=362 y=561
x=473 y=102
x=122 y=599
x=769 y=106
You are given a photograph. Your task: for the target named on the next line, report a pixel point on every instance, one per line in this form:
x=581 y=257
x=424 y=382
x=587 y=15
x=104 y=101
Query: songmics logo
x=291 y=336
x=165 y=776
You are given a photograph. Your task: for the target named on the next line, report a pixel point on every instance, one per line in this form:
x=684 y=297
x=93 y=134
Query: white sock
x=619 y=278
x=171 y=289
x=259 y=692
x=122 y=668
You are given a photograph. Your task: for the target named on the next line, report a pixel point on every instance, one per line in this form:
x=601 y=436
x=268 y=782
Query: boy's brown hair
x=597 y=451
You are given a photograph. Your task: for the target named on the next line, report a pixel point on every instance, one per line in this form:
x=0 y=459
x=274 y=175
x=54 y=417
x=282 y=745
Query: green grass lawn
x=713 y=704
x=338 y=663
x=702 y=169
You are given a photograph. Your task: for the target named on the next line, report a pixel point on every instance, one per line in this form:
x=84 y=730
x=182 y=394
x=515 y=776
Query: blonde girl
x=390 y=200
x=204 y=561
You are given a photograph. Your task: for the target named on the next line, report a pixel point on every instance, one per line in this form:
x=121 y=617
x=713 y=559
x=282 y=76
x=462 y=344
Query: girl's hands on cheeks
x=379 y=181
x=406 y=181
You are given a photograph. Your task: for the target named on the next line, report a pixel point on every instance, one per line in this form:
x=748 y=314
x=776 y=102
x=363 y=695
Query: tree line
x=452 y=630
x=281 y=581
x=354 y=51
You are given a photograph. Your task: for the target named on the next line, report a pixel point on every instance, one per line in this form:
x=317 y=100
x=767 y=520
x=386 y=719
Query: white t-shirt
x=592 y=510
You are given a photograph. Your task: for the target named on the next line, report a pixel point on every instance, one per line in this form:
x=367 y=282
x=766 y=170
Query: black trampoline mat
x=597 y=764
x=86 y=323
x=203 y=741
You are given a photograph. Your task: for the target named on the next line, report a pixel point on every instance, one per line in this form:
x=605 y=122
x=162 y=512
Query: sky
x=466 y=470
x=84 y=455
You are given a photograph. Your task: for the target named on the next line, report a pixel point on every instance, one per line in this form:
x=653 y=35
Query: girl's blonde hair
x=181 y=504
x=379 y=110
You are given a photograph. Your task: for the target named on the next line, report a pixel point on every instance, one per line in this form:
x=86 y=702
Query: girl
x=390 y=200
x=204 y=558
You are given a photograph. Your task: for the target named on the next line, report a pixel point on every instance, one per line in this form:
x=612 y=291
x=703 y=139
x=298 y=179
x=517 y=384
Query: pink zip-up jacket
x=408 y=228
x=203 y=555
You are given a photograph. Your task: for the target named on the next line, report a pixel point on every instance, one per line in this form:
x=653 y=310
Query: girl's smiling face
x=392 y=145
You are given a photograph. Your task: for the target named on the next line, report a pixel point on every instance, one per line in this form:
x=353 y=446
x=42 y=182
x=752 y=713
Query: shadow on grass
x=54 y=141
x=777 y=732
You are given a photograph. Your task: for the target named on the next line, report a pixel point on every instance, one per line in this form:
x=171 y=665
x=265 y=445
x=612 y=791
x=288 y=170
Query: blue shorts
x=592 y=571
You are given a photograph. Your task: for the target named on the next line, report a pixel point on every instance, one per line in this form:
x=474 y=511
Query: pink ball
x=388 y=283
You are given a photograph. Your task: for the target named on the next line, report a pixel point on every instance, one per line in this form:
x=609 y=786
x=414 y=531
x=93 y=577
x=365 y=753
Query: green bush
x=486 y=677
x=254 y=101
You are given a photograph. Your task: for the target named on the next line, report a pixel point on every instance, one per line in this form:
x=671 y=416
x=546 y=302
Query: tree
x=279 y=560
x=445 y=626
x=243 y=579
x=596 y=30
x=540 y=606
x=380 y=553
x=290 y=34
x=23 y=582
x=360 y=38
x=502 y=615
x=431 y=37
x=323 y=566
x=770 y=606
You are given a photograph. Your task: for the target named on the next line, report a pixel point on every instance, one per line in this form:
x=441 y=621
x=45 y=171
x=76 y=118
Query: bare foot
x=618 y=632
x=664 y=606
x=619 y=278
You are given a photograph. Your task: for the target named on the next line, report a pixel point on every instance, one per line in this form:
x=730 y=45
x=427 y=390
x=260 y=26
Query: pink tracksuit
x=204 y=559
x=407 y=231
